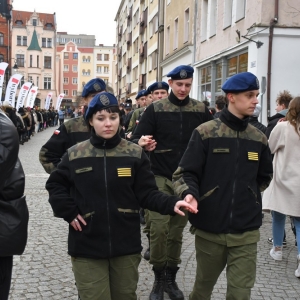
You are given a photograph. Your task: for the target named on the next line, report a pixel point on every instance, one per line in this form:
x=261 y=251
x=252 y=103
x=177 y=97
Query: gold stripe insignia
x=252 y=156
x=124 y=172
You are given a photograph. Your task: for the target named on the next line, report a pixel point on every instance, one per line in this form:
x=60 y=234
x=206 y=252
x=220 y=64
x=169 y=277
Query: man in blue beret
x=159 y=90
x=165 y=129
x=226 y=166
x=71 y=132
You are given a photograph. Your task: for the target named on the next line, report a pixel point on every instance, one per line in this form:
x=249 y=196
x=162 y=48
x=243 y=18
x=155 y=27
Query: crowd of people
x=174 y=159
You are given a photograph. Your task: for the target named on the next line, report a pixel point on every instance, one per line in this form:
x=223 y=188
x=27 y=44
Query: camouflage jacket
x=106 y=181
x=67 y=135
x=171 y=122
x=225 y=167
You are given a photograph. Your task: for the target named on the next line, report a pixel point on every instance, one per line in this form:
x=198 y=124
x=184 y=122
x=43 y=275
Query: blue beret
x=160 y=85
x=181 y=72
x=141 y=94
x=101 y=101
x=93 y=86
x=241 y=82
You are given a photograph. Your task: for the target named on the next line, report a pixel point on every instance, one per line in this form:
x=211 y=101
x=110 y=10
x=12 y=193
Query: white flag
x=31 y=96
x=23 y=94
x=3 y=67
x=11 y=88
x=59 y=100
x=48 y=99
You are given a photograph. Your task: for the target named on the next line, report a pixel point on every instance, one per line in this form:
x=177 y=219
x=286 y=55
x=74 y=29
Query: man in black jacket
x=165 y=128
x=225 y=167
x=253 y=120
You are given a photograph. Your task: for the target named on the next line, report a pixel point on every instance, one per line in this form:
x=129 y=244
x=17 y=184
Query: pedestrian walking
x=98 y=189
x=225 y=167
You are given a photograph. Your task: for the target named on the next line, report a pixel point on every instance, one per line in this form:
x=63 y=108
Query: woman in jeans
x=283 y=194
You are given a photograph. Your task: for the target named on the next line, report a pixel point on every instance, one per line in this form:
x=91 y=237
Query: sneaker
x=270 y=241
x=297 y=272
x=277 y=255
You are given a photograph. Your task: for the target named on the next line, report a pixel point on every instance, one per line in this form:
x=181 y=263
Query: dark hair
x=293 y=114
x=284 y=98
x=212 y=110
x=221 y=102
x=206 y=103
x=113 y=109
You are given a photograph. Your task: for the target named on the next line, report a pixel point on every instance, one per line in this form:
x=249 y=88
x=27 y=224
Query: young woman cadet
x=98 y=189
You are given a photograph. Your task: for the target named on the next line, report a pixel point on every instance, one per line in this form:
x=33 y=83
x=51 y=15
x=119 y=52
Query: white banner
x=58 y=101
x=3 y=67
x=31 y=96
x=23 y=94
x=11 y=88
x=48 y=99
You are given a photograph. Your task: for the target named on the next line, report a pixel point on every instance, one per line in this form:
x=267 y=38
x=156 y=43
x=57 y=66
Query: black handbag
x=14 y=218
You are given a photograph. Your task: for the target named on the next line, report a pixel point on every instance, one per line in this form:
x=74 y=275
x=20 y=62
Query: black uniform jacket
x=225 y=167
x=67 y=135
x=171 y=122
x=106 y=181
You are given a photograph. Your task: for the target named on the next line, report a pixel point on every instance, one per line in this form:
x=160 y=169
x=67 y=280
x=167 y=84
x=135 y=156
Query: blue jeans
x=278 y=228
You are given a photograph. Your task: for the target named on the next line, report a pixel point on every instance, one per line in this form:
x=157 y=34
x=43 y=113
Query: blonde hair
x=293 y=114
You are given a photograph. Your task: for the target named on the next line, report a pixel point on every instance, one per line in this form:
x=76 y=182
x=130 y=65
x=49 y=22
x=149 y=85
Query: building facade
x=33 y=49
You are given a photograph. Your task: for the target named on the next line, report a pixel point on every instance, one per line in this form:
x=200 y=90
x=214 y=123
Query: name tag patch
x=124 y=172
x=252 y=156
x=83 y=170
x=221 y=150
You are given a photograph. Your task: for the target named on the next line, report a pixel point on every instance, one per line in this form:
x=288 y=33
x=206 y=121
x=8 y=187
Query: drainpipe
x=160 y=38
x=195 y=33
x=273 y=22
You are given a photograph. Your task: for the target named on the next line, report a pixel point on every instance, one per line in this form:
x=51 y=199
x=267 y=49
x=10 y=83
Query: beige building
x=178 y=35
x=262 y=37
x=33 y=49
x=137 y=47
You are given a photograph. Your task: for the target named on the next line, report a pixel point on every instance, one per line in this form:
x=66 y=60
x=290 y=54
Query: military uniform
x=225 y=167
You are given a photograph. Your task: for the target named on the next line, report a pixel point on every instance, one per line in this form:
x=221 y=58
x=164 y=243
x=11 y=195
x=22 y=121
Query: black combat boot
x=157 y=292
x=171 y=287
x=147 y=252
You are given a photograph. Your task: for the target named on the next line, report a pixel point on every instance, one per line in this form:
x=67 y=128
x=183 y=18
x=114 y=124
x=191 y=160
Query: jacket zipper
x=235 y=177
x=107 y=205
x=180 y=135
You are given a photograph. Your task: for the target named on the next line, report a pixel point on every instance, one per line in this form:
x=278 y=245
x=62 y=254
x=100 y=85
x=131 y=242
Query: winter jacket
x=106 y=181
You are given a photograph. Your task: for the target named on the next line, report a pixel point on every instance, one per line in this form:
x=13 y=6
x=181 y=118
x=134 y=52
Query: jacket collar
x=102 y=143
x=232 y=121
x=173 y=99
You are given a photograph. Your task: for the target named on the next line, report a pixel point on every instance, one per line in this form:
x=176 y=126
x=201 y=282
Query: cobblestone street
x=44 y=270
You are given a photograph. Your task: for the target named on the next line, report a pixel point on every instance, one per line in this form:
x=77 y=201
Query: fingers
x=179 y=212
x=76 y=223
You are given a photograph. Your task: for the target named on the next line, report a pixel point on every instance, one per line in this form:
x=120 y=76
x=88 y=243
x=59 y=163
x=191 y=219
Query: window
x=20 y=60
x=106 y=70
x=66 y=92
x=66 y=68
x=153 y=25
x=228 y=13
x=49 y=25
x=105 y=80
x=186 y=25
x=1 y=58
x=204 y=20
x=136 y=18
x=237 y=64
x=75 y=55
x=99 y=56
x=88 y=59
x=154 y=60
x=135 y=74
x=30 y=61
x=19 y=40
x=34 y=22
x=49 y=43
x=99 y=69
x=38 y=61
x=218 y=81
x=37 y=81
x=19 y=22
x=47 y=83
x=75 y=68
x=66 y=80
x=136 y=45
x=168 y=40
x=240 y=9
x=30 y=79
x=66 y=55
x=175 y=46
x=1 y=39
x=44 y=42
x=47 y=62
x=106 y=57
x=213 y=18
x=24 y=40
x=74 y=80
x=74 y=92
x=205 y=83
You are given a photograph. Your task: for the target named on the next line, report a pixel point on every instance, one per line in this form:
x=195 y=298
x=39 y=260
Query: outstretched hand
x=183 y=204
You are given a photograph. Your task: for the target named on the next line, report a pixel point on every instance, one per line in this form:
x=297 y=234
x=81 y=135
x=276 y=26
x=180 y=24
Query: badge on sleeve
x=124 y=172
x=252 y=156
